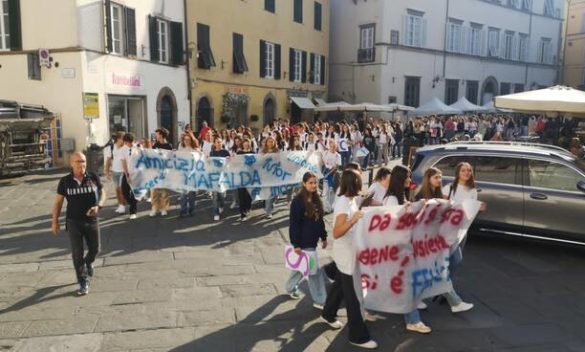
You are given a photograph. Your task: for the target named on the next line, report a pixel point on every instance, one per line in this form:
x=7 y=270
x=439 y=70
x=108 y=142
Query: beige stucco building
x=127 y=53
x=251 y=57
x=574 y=58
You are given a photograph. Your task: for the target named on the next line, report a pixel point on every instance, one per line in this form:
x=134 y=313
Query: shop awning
x=320 y=101
x=303 y=103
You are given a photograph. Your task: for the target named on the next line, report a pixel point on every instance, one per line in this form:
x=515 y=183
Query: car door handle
x=538 y=196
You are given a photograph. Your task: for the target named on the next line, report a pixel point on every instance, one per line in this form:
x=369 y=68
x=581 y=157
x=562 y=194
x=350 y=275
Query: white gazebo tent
x=435 y=107
x=559 y=99
x=466 y=106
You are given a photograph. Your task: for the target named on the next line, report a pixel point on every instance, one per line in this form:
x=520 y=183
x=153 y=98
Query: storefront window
x=127 y=114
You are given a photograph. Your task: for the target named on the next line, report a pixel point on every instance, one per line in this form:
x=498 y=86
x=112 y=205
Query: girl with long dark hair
x=305 y=229
x=346 y=215
x=398 y=194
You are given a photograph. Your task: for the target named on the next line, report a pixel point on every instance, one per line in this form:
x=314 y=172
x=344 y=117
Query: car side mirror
x=581 y=186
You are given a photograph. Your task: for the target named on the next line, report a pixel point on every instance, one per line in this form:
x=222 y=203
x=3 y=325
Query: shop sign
x=91 y=106
x=237 y=90
x=125 y=80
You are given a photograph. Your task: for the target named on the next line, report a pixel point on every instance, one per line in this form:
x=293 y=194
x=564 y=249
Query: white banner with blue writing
x=264 y=175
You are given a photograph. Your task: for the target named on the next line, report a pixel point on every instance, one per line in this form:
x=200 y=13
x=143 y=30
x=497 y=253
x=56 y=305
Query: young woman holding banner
x=346 y=215
x=462 y=188
x=270 y=146
x=398 y=194
x=431 y=188
x=305 y=229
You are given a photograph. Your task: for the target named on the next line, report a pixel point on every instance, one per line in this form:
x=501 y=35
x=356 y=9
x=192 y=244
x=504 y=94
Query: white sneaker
x=120 y=209
x=152 y=213
x=370 y=345
x=318 y=306
x=132 y=216
x=336 y=324
x=268 y=216
x=419 y=327
x=461 y=307
x=221 y=210
x=163 y=213
x=422 y=305
x=216 y=218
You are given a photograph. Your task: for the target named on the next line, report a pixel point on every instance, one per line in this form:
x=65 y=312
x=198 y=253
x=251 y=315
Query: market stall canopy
x=303 y=103
x=363 y=107
x=553 y=99
x=336 y=106
x=465 y=105
x=489 y=107
x=435 y=107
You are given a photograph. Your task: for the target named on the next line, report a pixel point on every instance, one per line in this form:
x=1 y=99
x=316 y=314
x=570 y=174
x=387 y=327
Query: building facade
x=257 y=60
x=103 y=66
x=574 y=56
x=411 y=51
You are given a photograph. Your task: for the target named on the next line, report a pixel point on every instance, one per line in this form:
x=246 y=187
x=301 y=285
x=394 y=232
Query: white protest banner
x=403 y=252
x=270 y=174
x=306 y=262
x=343 y=145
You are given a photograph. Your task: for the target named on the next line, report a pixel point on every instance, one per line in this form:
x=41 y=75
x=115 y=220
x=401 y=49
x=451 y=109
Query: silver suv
x=532 y=190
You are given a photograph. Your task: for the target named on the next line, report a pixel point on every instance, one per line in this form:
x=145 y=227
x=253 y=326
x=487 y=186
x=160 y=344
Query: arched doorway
x=166 y=107
x=269 y=110
x=489 y=90
x=204 y=113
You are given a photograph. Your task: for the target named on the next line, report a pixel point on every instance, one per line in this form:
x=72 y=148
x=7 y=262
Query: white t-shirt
x=391 y=201
x=343 y=247
x=118 y=154
x=124 y=154
x=331 y=159
x=462 y=193
x=206 y=149
x=379 y=192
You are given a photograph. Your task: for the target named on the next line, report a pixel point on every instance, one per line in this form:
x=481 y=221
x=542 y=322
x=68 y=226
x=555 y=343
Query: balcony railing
x=366 y=55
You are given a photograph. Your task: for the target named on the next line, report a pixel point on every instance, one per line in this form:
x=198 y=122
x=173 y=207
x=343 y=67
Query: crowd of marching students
x=307 y=228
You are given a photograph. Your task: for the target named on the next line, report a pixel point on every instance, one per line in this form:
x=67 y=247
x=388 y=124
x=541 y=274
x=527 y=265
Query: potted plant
x=254 y=118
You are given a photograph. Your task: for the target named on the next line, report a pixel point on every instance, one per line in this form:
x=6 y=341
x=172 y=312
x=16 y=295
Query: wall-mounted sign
x=68 y=73
x=133 y=81
x=91 y=106
x=238 y=90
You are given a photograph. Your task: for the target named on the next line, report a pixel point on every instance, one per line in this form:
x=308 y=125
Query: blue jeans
x=218 y=202
x=268 y=206
x=316 y=284
x=345 y=158
x=396 y=149
x=454 y=260
x=187 y=203
x=412 y=317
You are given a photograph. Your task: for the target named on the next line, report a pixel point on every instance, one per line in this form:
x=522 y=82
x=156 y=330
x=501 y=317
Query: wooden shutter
x=304 y=68
x=312 y=70
x=298 y=11
x=177 y=57
x=262 y=58
x=239 y=65
x=153 y=34
x=130 y=32
x=276 y=61
x=108 y=13
x=322 y=70
x=291 y=64
x=15 y=25
x=318 y=16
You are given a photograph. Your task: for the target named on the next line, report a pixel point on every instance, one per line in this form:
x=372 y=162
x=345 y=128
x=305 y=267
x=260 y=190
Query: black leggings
x=129 y=195
x=245 y=201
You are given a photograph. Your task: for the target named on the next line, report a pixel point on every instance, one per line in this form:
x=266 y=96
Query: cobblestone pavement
x=196 y=285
